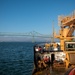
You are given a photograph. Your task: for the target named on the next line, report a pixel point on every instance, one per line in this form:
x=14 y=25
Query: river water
x=16 y=58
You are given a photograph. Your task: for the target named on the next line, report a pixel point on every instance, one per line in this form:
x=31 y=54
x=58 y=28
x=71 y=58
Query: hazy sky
x=32 y=15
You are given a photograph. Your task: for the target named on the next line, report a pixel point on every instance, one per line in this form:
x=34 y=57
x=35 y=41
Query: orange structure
x=67 y=28
x=66 y=38
x=61 y=54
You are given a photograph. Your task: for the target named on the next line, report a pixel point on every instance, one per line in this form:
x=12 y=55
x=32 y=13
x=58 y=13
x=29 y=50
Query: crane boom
x=67 y=29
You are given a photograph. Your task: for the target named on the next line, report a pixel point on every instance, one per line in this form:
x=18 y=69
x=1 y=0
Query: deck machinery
x=67 y=39
x=60 y=55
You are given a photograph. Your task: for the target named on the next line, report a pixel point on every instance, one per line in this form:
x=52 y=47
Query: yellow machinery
x=67 y=39
x=60 y=55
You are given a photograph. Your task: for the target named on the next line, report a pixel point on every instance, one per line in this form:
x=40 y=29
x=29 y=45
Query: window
x=70 y=46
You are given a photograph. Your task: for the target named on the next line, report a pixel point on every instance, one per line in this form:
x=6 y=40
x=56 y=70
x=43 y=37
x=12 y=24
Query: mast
x=53 y=31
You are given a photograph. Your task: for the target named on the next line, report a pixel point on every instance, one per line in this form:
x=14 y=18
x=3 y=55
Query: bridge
x=32 y=34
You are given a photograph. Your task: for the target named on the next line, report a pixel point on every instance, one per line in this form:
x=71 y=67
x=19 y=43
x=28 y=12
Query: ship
x=57 y=56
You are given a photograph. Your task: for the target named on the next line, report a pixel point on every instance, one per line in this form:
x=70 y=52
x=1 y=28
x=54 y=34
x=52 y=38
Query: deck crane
x=61 y=55
x=66 y=38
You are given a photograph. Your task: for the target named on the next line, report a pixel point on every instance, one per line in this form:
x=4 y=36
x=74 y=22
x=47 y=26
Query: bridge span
x=32 y=34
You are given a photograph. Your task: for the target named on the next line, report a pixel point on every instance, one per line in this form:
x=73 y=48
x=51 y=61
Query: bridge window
x=70 y=46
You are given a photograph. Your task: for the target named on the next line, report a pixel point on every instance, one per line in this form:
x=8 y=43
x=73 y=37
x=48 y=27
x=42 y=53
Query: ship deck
x=50 y=71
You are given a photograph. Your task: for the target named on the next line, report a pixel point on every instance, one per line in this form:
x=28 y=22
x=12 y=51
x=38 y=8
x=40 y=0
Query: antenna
x=59 y=20
x=53 y=31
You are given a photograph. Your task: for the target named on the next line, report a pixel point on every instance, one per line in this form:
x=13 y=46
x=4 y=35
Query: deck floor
x=50 y=71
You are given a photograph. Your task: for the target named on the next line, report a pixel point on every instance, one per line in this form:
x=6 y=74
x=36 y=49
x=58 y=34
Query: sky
x=21 y=16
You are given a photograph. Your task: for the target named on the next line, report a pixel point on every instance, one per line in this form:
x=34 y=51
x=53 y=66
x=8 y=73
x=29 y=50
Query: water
x=16 y=58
